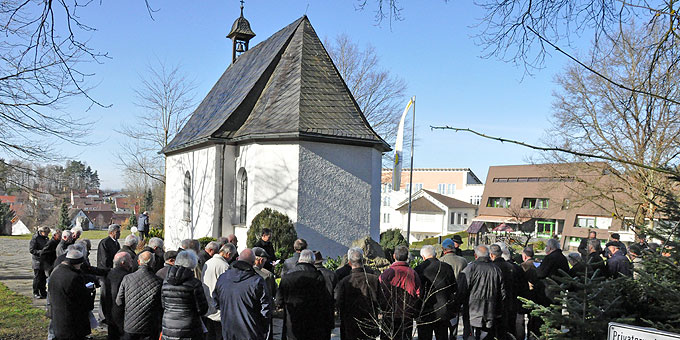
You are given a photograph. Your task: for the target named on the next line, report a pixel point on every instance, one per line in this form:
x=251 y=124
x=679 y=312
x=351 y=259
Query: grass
x=19 y=320
x=435 y=240
x=89 y=234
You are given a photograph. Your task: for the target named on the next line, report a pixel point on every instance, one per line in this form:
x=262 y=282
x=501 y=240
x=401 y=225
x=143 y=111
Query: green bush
x=389 y=240
x=283 y=231
x=539 y=246
x=435 y=240
x=333 y=263
x=156 y=232
x=203 y=241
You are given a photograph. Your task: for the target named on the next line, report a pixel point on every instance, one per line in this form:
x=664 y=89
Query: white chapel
x=281 y=130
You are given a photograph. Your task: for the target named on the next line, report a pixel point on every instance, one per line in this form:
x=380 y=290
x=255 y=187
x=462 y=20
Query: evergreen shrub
x=283 y=231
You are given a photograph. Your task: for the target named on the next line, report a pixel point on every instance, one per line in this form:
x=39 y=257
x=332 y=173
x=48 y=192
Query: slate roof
x=421 y=204
x=450 y=201
x=286 y=87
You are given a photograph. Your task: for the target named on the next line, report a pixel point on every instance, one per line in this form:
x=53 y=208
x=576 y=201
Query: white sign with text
x=619 y=331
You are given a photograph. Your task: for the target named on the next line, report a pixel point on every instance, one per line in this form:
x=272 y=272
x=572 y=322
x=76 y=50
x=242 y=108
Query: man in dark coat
x=265 y=243
x=269 y=279
x=537 y=294
x=481 y=290
x=457 y=242
x=328 y=275
x=594 y=262
x=38 y=242
x=140 y=295
x=113 y=313
x=129 y=246
x=356 y=297
x=552 y=264
x=437 y=295
x=143 y=225
x=169 y=257
x=583 y=246
x=241 y=289
x=511 y=280
x=291 y=262
x=155 y=247
x=108 y=247
x=401 y=297
x=48 y=254
x=207 y=253
x=618 y=264
x=70 y=299
x=615 y=238
x=66 y=240
x=306 y=302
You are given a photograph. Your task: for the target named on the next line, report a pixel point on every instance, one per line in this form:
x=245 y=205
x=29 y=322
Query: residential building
x=551 y=199
x=457 y=183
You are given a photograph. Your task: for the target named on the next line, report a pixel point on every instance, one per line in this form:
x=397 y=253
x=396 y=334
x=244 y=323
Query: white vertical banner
x=398 y=150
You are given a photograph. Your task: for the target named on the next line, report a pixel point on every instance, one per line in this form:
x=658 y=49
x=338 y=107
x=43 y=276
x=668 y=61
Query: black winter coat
x=303 y=294
x=112 y=312
x=269 y=248
x=184 y=303
x=438 y=290
x=481 y=289
x=106 y=250
x=37 y=243
x=329 y=277
x=203 y=257
x=70 y=303
x=140 y=295
x=48 y=255
x=357 y=300
x=241 y=289
x=290 y=263
x=512 y=281
x=158 y=261
x=551 y=265
x=618 y=264
x=595 y=263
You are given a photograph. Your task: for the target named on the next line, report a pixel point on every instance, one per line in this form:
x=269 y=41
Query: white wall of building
x=339 y=193
x=201 y=165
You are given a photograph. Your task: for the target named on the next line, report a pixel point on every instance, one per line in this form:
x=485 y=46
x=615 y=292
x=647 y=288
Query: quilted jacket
x=184 y=303
x=140 y=294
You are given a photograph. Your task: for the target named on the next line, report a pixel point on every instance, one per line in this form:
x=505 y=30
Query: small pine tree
x=63 y=222
x=389 y=240
x=283 y=231
x=132 y=221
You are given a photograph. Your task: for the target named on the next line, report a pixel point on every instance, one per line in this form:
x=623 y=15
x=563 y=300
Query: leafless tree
x=165 y=98
x=523 y=221
x=39 y=53
x=379 y=93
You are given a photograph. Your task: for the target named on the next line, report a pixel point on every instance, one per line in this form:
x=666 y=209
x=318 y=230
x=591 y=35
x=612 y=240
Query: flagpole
x=410 y=177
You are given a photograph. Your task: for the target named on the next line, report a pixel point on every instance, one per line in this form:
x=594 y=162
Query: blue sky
x=433 y=49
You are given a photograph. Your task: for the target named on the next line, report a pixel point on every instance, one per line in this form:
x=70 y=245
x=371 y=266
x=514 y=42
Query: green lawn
x=19 y=320
x=435 y=240
x=89 y=234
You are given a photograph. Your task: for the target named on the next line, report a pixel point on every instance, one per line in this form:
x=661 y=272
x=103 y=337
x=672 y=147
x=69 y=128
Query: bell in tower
x=240 y=35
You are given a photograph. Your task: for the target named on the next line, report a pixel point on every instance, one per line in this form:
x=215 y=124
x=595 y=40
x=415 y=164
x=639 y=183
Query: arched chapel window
x=243 y=196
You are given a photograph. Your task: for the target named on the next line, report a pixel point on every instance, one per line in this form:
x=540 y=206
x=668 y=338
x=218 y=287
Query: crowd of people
x=218 y=293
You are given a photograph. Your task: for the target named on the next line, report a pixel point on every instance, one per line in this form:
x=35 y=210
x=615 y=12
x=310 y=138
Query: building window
x=243 y=196
x=187 y=196
x=450 y=189
x=453 y=218
x=386 y=201
x=586 y=222
x=465 y=218
x=386 y=218
x=460 y=218
x=565 y=204
x=417 y=186
x=389 y=187
x=535 y=203
x=441 y=188
x=499 y=202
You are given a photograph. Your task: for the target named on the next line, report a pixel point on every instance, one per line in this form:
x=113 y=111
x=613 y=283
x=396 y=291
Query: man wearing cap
x=328 y=275
x=169 y=258
x=615 y=238
x=70 y=300
x=143 y=225
x=451 y=250
x=457 y=242
x=261 y=258
x=108 y=247
x=618 y=263
x=635 y=255
x=213 y=268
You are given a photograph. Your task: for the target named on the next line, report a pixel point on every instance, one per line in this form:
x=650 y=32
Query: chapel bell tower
x=240 y=35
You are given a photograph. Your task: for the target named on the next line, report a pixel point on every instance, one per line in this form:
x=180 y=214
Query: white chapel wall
x=272 y=170
x=201 y=165
x=339 y=195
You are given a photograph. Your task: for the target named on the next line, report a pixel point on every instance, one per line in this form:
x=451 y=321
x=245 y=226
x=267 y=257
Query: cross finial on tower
x=242 y=7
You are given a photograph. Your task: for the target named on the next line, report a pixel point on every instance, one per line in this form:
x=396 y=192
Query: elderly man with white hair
x=129 y=246
x=356 y=297
x=114 y=314
x=304 y=297
x=438 y=294
x=553 y=262
x=243 y=299
x=66 y=240
x=155 y=246
x=212 y=270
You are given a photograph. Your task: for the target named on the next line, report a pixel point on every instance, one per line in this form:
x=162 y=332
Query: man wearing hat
x=458 y=263
x=635 y=255
x=70 y=299
x=169 y=258
x=328 y=275
x=261 y=259
x=457 y=242
x=616 y=238
x=618 y=263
